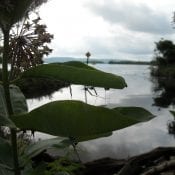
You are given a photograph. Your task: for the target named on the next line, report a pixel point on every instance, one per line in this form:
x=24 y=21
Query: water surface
x=129 y=141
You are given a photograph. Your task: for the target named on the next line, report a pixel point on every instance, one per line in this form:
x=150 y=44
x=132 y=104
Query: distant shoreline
x=130 y=62
x=95 y=61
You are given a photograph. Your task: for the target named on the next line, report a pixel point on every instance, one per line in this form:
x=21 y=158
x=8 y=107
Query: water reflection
x=132 y=140
x=135 y=139
x=164 y=89
x=171 y=127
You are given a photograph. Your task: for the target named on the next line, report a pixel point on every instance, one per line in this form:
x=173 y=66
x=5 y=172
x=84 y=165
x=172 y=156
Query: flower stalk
x=8 y=100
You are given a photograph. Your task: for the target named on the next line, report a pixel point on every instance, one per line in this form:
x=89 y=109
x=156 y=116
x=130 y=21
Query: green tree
x=165 y=52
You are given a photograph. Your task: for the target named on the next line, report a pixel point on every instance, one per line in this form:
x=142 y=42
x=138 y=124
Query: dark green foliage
x=64 y=166
x=36 y=88
x=28 y=40
x=61 y=166
x=166 y=89
x=165 y=52
x=164 y=73
x=12 y=11
x=6 y=161
x=18 y=101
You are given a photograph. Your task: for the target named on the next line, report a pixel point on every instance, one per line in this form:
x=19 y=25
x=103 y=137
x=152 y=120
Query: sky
x=113 y=29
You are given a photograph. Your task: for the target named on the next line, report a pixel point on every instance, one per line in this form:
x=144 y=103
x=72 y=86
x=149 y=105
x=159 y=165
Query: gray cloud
x=99 y=46
x=121 y=46
x=135 y=17
x=142 y=45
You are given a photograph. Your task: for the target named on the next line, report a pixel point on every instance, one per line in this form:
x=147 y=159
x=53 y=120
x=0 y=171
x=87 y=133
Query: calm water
x=132 y=140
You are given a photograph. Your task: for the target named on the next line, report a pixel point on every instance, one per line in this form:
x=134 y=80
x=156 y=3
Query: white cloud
x=108 y=29
x=133 y=16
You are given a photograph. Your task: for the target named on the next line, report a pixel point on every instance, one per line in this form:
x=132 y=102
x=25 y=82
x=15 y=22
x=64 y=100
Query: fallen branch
x=140 y=163
x=160 y=168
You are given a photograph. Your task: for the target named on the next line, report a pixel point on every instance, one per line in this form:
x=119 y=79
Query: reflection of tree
x=165 y=91
x=163 y=72
x=171 y=127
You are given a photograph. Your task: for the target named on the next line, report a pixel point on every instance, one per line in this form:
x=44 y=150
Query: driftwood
x=143 y=162
x=103 y=166
x=155 y=162
x=159 y=168
x=160 y=161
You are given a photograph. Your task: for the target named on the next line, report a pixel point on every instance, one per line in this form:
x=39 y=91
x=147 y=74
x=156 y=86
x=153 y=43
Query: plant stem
x=5 y=71
x=85 y=94
x=87 y=61
x=15 y=152
x=73 y=143
x=8 y=100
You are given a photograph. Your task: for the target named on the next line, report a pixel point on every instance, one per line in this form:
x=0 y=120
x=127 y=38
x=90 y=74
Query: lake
x=130 y=141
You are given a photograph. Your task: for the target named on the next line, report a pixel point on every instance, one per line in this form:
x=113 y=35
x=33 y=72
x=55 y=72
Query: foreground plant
x=74 y=120
x=28 y=45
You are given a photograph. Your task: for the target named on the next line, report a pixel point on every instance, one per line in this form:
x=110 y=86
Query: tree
x=165 y=52
x=88 y=54
x=28 y=45
x=59 y=118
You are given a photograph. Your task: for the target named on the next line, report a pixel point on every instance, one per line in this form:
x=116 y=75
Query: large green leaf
x=18 y=103
x=3 y=109
x=91 y=137
x=18 y=100
x=135 y=113
x=6 y=161
x=4 y=120
x=77 y=119
x=78 y=64
x=75 y=74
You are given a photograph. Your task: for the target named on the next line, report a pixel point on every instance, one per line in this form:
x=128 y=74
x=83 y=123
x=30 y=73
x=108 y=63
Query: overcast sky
x=114 y=29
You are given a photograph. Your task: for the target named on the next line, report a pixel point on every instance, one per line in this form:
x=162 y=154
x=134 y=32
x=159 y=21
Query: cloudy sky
x=114 y=29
